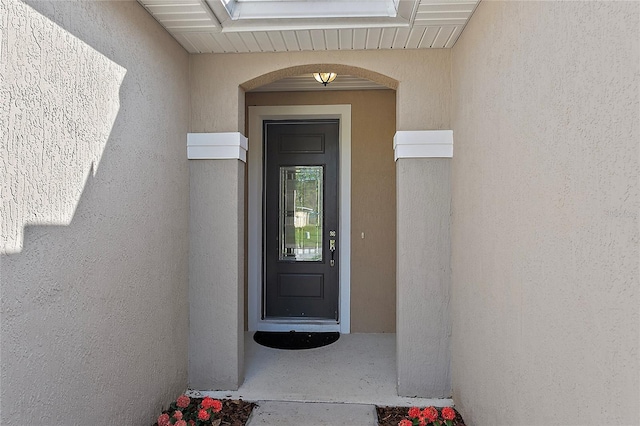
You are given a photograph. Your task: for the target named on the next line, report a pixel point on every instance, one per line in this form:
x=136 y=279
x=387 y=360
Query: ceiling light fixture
x=324 y=77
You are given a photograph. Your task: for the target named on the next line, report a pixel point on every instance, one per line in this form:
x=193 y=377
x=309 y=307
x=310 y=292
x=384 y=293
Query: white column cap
x=217 y=146
x=423 y=144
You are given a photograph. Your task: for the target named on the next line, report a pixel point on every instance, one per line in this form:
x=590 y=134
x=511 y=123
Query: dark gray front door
x=301 y=219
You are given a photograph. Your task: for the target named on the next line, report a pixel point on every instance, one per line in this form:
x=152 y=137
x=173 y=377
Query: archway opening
x=365 y=102
x=368 y=213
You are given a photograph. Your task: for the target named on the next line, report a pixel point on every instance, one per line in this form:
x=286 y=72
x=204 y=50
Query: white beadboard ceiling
x=215 y=26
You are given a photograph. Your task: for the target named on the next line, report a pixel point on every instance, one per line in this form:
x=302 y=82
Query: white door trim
x=257 y=114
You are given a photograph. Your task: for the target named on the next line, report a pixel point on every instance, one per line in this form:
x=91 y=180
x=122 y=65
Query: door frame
x=257 y=114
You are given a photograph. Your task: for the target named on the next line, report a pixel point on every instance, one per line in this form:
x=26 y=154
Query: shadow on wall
x=57 y=122
x=96 y=197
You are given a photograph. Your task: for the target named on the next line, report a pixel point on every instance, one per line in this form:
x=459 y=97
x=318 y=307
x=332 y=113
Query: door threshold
x=287 y=324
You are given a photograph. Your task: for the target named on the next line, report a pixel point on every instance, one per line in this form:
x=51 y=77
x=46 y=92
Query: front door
x=301 y=219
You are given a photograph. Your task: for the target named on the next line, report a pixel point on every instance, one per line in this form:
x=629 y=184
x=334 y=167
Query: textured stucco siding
x=545 y=296
x=422 y=97
x=216 y=274
x=423 y=277
x=93 y=119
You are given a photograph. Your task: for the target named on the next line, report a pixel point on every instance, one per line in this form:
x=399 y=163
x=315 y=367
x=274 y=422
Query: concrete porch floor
x=357 y=369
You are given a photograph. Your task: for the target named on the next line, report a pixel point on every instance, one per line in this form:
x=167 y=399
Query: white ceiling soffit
x=240 y=26
x=306 y=83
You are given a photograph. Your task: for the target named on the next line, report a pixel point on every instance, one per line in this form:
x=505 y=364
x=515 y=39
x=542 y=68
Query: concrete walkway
x=357 y=369
x=277 y=413
x=333 y=385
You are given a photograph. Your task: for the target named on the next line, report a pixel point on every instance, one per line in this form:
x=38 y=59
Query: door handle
x=332 y=248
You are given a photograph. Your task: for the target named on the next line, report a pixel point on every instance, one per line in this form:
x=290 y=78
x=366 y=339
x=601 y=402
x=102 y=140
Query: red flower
x=180 y=423
x=163 y=420
x=203 y=415
x=405 y=422
x=208 y=403
x=177 y=415
x=183 y=401
x=192 y=422
x=430 y=413
x=448 y=413
x=216 y=406
x=414 y=412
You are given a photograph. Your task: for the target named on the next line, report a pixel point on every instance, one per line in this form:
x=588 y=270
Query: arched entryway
x=422 y=209
x=359 y=366
x=372 y=253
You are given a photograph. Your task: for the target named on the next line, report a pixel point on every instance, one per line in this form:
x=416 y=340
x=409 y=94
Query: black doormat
x=294 y=340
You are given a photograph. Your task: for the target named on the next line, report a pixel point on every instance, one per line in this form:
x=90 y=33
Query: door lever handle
x=332 y=249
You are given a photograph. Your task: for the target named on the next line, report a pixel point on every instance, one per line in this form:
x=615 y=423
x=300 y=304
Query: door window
x=300 y=213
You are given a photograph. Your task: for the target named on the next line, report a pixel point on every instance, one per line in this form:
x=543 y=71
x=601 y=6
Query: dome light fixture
x=324 y=77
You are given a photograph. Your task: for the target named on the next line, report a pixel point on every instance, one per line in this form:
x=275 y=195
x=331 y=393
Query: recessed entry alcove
x=351 y=262
x=363 y=231
x=361 y=114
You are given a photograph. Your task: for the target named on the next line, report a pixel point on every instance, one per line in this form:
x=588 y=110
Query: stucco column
x=216 y=260
x=423 y=255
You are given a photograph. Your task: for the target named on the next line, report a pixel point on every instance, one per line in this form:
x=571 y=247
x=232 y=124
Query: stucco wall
x=545 y=237
x=93 y=118
x=422 y=97
x=216 y=274
x=373 y=201
x=424 y=277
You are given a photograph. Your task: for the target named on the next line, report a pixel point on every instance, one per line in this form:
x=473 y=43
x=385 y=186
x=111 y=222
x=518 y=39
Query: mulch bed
x=235 y=412
x=391 y=416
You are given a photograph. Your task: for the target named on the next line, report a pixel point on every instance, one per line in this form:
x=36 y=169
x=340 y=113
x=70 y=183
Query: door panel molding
x=257 y=114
